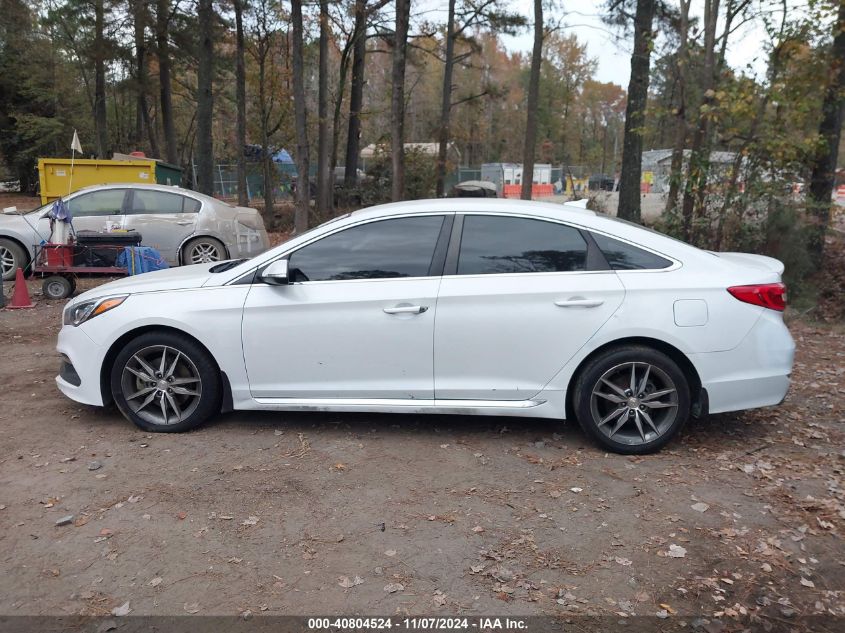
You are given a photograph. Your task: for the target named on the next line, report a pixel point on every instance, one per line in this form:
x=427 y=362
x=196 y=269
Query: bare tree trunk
x=343 y=71
x=205 y=99
x=356 y=96
x=446 y=103
x=533 y=99
x=632 y=144
x=696 y=180
x=301 y=120
x=681 y=69
x=397 y=101
x=141 y=78
x=165 y=89
x=240 y=99
x=324 y=175
x=830 y=129
x=266 y=157
x=100 y=115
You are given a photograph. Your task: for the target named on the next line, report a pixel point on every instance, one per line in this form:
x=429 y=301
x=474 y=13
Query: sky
x=613 y=54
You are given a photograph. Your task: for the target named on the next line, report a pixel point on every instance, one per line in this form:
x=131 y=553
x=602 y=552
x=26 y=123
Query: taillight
x=772 y=296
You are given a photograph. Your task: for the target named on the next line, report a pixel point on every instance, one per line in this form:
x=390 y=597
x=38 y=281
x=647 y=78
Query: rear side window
x=150 y=201
x=403 y=247
x=622 y=256
x=494 y=245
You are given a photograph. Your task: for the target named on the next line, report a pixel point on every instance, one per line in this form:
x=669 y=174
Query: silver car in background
x=186 y=227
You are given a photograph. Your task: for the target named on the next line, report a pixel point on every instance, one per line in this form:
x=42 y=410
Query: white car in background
x=186 y=227
x=467 y=306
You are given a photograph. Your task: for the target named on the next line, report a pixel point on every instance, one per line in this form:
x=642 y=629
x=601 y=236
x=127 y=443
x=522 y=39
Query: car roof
x=151 y=187
x=477 y=205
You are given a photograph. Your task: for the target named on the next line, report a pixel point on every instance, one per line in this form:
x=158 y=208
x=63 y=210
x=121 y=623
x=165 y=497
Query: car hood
x=181 y=278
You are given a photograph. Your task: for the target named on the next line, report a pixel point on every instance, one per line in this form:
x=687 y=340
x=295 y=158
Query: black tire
x=201 y=250
x=647 y=423
x=199 y=361
x=12 y=257
x=57 y=287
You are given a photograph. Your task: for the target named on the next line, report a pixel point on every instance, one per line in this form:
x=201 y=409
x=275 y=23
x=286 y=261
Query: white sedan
x=467 y=306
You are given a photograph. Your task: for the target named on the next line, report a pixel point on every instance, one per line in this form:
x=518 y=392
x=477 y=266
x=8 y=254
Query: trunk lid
x=755 y=262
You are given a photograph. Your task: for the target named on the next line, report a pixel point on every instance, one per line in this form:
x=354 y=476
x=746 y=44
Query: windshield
x=40 y=210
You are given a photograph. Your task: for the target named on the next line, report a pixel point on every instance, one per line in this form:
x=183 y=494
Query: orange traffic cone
x=20 y=297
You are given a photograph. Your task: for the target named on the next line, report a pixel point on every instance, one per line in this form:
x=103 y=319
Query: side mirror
x=276 y=273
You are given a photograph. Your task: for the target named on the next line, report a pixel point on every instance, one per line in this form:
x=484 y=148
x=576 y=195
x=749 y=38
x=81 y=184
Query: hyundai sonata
x=466 y=306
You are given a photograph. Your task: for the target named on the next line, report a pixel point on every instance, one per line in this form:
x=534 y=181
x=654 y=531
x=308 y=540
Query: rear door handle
x=406 y=310
x=579 y=303
x=184 y=222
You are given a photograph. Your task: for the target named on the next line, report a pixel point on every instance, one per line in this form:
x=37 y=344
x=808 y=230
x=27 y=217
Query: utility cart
x=90 y=254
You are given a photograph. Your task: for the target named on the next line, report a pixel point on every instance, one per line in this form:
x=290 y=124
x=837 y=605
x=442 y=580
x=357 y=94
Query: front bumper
x=753 y=374
x=86 y=358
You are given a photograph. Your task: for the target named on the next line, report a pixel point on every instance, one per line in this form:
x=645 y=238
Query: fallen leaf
x=394 y=587
x=390 y=552
x=182 y=516
x=623 y=561
x=476 y=568
x=192 y=607
x=251 y=520
x=478 y=529
x=676 y=551
x=122 y=610
x=667 y=608
x=807 y=583
x=700 y=507
x=155 y=582
x=576 y=490
x=344 y=581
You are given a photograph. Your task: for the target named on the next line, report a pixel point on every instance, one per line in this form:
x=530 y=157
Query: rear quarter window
x=623 y=256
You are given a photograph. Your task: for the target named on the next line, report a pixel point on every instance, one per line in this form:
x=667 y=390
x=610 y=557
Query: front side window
x=622 y=256
x=495 y=244
x=403 y=247
x=151 y=201
x=103 y=202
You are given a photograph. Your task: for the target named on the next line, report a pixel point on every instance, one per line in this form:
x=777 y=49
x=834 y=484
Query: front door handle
x=184 y=222
x=579 y=303
x=406 y=310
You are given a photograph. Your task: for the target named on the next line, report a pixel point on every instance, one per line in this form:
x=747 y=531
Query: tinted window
x=149 y=201
x=492 y=244
x=104 y=202
x=622 y=256
x=403 y=247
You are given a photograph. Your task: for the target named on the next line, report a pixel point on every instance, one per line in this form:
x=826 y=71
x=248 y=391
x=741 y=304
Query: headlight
x=78 y=313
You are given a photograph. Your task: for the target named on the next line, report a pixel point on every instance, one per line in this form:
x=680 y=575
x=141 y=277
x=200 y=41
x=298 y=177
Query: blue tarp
x=140 y=259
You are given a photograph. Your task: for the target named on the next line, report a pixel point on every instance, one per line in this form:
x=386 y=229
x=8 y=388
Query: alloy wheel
x=7 y=261
x=634 y=403
x=161 y=385
x=204 y=253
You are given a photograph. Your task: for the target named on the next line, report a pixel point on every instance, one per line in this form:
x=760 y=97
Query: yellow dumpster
x=55 y=174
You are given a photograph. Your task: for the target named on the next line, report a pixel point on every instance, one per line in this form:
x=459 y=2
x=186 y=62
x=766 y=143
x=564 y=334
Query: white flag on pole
x=75 y=145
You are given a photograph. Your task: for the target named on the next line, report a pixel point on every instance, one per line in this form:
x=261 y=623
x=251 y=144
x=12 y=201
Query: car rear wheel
x=12 y=257
x=166 y=382
x=632 y=400
x=203 y=250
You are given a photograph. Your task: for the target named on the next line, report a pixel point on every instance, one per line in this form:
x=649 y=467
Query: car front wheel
x=12 y=257
x=632 y=400
x=166 y=382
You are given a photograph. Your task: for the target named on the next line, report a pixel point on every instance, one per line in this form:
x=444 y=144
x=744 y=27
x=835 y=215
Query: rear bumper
x=753 y=374
x=85 y=358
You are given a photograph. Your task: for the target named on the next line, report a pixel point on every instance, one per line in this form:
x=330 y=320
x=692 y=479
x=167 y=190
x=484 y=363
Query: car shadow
x=433 y=424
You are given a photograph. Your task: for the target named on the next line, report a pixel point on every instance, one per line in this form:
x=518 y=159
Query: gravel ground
x=741 y=519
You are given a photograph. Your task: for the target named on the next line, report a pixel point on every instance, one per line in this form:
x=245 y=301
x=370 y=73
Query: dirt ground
x=387 y=514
